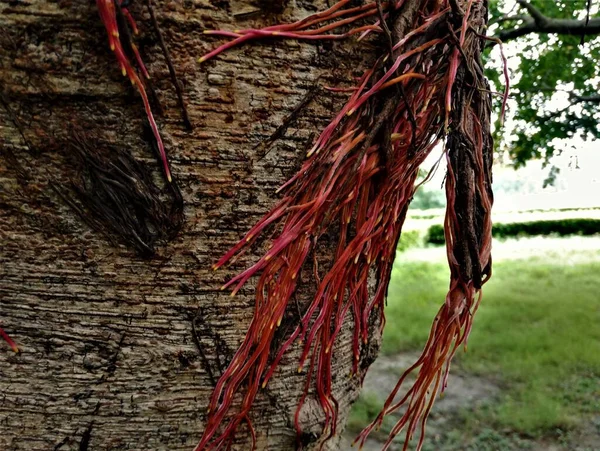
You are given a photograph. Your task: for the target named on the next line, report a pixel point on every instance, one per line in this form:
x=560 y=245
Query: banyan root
x=426 y=88
x=119 y=25
x=358 y=179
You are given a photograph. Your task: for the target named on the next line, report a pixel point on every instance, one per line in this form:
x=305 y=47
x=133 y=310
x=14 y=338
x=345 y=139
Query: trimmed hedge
x=561 y=227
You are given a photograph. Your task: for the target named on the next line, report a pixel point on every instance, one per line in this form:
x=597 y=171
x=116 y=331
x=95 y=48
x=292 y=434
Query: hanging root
x=118 y=22
x=468 y=241
x=358 y=179
x=9 y=340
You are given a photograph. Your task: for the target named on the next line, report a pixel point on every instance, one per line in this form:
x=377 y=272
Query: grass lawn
x=536 y=335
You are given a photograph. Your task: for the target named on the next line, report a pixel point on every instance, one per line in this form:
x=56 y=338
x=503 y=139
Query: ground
x=531 y=377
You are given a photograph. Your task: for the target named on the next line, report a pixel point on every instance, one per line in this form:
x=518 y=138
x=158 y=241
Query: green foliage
x=561 y=227
x=550 y=68
x=364 y=410
x=426 y=199
x=435 y=235
x=408 y=239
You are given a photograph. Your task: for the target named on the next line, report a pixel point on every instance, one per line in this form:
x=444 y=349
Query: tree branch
x=575 y=99
x=594 y=98
x=508 y=18
x=537 y=15
x=539 y=23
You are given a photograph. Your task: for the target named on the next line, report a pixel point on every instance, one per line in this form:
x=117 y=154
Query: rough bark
x=109 y=352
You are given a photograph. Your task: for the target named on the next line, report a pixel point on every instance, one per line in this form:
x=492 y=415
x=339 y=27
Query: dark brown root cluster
x=118 y=196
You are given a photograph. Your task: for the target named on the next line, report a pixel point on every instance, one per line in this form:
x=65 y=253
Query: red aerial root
x=358 y=180
x=9 y=340
x=108 y=13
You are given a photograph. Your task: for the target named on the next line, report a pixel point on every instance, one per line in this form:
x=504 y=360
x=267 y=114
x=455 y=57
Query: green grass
x=536 y=334
x=410 y=239
x=366 y=407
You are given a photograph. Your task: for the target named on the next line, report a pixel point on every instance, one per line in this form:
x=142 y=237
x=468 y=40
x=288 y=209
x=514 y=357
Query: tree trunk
x=120 y=351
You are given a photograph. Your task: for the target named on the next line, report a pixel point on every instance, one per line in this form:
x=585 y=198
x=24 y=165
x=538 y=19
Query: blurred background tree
x=554 y=48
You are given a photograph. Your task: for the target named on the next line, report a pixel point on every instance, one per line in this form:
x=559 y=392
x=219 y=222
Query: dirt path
x=444 y=428
x=463 y=391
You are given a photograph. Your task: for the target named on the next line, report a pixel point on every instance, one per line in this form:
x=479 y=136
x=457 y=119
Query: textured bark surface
x=109 y=359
